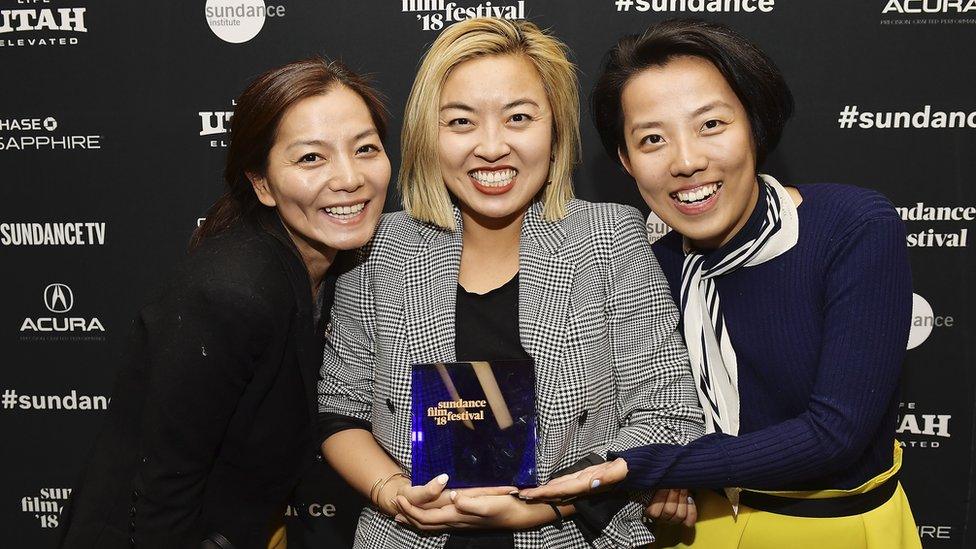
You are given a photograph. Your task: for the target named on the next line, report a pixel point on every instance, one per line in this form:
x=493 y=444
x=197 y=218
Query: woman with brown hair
x=211 y=422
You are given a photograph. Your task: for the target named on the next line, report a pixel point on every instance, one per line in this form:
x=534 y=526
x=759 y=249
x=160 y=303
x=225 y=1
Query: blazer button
x=132 y=511
x=389 y=404
x=132 y=541
x=582 y=417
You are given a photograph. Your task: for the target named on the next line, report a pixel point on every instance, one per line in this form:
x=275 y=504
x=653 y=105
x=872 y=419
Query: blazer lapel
x=430 y=294
x=545 y=285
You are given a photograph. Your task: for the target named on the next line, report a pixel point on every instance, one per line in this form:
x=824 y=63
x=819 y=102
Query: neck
x=492 y=236
x=317 y=258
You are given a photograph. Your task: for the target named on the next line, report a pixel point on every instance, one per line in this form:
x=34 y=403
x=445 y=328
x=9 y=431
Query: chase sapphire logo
x=58 y=298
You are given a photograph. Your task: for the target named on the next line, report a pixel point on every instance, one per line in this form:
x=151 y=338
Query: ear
x=261 y=188
x=624 y=160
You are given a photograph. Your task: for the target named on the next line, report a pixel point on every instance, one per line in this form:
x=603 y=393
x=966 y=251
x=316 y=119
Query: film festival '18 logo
x=41 y=26
x=928 y=12
x=42 y=134
x=46 y=506
x=939 y=236
x=695 y=6
x=434 y=15
x=57 y=324
x=921 y=430
x=214 y=125
x=924 y=320
x=238 y=21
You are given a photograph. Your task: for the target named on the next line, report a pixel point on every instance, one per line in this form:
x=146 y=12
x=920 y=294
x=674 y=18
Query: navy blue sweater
x=819 y=333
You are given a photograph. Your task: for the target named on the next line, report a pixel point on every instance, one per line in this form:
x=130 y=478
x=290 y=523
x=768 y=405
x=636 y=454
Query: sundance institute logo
x=237 y=21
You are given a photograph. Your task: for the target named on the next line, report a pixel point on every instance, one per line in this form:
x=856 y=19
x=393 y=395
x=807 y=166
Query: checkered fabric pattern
x=595 y=314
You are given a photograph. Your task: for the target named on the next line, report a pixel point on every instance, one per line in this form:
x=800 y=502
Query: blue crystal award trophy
x=475 y=421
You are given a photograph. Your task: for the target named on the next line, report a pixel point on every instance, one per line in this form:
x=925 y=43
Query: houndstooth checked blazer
x=595 y=314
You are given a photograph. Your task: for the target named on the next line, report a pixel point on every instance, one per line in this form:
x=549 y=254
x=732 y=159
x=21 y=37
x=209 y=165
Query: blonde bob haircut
x=425 y=197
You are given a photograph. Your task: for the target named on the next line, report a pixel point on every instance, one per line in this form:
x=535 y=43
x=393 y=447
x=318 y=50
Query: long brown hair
x=255 y=125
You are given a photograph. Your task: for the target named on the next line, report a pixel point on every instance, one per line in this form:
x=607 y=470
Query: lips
x=493 y=181
x=696 y=200
x=347 y=212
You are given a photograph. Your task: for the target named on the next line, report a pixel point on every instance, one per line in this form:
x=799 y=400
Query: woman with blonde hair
x=494 y=259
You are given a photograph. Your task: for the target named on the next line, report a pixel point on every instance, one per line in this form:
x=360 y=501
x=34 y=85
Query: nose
x=493 y=143
x=347 y=176
x=687 y=159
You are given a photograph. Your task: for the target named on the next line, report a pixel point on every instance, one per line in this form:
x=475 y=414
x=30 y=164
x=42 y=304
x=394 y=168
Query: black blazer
x=210 y=423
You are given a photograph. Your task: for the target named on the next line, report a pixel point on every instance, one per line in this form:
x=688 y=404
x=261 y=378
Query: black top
x=487 y=328
x=211 y=422
x=487 y=325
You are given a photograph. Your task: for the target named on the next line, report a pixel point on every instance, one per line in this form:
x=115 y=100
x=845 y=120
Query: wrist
x=385 y=498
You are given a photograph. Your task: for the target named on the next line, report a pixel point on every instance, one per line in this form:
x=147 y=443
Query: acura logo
x=58 y=298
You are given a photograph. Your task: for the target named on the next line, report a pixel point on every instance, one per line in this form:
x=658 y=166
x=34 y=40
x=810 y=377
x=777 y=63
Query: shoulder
x=397 y=237
x=243 y=267
x=844 y=207
x=602 y=219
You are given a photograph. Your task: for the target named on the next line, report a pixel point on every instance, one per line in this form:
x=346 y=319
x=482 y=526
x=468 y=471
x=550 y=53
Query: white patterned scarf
x=713 y=361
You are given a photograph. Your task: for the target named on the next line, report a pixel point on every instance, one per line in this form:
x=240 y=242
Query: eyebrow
x=697 y=112
x=319 y=142
x=713 y=105
x=467 y=108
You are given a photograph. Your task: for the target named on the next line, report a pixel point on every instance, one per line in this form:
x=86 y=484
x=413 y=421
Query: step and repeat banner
x=113 y=130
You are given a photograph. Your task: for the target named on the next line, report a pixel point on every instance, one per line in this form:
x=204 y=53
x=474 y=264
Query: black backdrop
x=112 y=133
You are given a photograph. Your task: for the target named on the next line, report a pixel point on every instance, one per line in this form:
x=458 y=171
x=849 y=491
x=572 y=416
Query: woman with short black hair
x=796 y=317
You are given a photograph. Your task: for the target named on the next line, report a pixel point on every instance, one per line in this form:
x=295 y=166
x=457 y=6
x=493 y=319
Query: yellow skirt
x=889 y=526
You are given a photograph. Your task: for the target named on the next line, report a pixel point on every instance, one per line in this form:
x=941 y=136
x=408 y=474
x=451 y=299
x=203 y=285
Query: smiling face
x=689 y=146
x=495 y=137
x=326 y=173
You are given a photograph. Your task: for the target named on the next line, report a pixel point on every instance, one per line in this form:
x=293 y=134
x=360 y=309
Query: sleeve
x=655 y=390
x=655 y=394
x=345 y=389
x=867 y=311
x=201 y=346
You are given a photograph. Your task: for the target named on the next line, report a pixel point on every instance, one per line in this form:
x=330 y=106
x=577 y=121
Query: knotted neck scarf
x=771 y=230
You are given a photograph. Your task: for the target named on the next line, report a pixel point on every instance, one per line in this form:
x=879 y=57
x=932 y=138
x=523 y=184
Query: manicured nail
x=513 y=493
x=453 y=495
x=595 y=484
x=524 y=497
x=691 y=500
x=400 y=519
x=442 y=478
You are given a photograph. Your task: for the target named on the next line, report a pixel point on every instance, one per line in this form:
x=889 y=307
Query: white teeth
x=494 y=178
x=345 y=212
x=698 y=194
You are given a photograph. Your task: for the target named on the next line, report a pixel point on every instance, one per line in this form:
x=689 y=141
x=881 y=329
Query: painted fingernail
x=453 y=495
x=691 y=500
x=442 y=478
x=513 y=493
x=595 y=483
x=400 y=519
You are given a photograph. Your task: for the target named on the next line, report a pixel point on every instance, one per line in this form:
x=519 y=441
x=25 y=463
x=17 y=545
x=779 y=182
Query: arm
x=345 y=394
x=866 y=319
x=201 y=347
x=656 y=397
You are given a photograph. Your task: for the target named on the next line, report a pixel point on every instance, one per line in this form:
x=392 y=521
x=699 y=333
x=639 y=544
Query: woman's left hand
x=483 y=511
x=590 y=480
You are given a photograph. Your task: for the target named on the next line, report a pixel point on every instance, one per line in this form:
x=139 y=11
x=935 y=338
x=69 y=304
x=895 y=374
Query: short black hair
x=750 y=73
